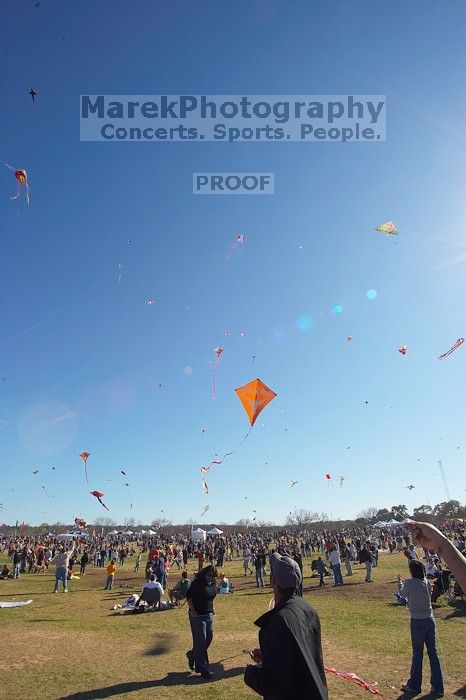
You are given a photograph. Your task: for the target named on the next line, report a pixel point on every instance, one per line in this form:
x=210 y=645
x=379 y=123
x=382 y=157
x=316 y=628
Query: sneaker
x=55 y=591
x=65 y=591
x=437 y=693
x=407 y=689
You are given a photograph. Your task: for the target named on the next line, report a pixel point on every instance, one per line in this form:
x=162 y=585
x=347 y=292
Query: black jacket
x=292 y=665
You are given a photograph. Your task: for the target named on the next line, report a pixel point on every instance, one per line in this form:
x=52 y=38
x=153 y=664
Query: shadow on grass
x=45 y=619
x=163 y=646
x=171 y=679
x=461 y=692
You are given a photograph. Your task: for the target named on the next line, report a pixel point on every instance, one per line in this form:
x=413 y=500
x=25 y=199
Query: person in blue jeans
x=416 y=591
x=258 y=568
x=200 y=597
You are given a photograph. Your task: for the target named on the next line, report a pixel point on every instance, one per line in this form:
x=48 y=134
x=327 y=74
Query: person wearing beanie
x=289 y=662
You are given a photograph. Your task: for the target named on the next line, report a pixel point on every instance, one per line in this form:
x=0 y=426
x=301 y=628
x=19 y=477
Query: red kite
x=98 y=495
x=85 y=456
x=454 y=347
x=255 y=396
x=403 y=349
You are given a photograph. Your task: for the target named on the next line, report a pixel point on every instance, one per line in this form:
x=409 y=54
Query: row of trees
x=300 y=519
x=447 y=510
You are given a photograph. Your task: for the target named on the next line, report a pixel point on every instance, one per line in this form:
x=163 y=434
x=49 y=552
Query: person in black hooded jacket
x=289 y=662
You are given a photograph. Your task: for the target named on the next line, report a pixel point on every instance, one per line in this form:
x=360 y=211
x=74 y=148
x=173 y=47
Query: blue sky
x=82 y=354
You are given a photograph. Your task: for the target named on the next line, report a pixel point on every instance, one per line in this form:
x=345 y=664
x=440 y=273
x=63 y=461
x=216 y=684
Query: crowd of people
x=289 y=656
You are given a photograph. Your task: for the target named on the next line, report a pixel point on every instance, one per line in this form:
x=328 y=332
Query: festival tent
x=128 y=532
x=72 y=535
x=215 y=531
x=113 y=532
x=393 y=522
x=151 y=532
x=143 y=532
x=381 y=523
x=198 y=535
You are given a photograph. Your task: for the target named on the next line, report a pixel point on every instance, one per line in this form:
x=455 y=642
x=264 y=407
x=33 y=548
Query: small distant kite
x=150 y=302
x=403 y=349
x=22 y=177
x=349 y=339
x=122 y=472
x=292 y=483
x=242 y=334
x=80 y=523
x=329 y=479
x=255 y=396
x=32 y=91
x=239 y=240
x=218 y=351
x=204 y=510
x=342 y=479
x=36 y=471
x=389 y=228
x=85 y=456
x=126 y=484
x=99 y=495
x=410 y=487
x=205 y=485
x=454 y=347
x=120 y=271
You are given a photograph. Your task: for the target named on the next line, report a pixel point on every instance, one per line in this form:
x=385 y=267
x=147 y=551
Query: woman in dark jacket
x=200 y=597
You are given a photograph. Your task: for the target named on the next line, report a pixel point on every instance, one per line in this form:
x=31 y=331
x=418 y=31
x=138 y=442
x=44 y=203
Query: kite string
x=59 y=311
x=81 y=367
x=433 y=238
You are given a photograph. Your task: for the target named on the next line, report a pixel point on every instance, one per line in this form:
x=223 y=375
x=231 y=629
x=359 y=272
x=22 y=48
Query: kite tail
x=15 y=196
x=352 y=677
x=100 y=501
x=214 y=377
x=85 y=471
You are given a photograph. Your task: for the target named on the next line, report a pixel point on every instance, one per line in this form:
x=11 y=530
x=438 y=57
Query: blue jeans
x=110 y=582
x=202 y=631
x=259 y=579
x=338 y=578
x=17 y=570
x=368 y=570
x=423 y=632
x=60 y=575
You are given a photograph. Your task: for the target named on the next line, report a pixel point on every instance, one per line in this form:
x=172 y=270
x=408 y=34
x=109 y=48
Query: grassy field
x=76 y=647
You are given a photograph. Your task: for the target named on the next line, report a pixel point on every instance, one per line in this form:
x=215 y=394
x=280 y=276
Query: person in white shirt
x=152 y=583
x=335 y=563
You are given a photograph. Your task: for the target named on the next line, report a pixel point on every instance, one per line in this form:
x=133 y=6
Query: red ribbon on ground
x=371 y=687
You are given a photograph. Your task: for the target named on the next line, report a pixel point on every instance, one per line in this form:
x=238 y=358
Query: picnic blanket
x=13 y=604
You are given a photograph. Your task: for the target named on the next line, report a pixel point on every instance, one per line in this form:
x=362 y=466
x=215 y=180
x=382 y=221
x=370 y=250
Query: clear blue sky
x=86 y=378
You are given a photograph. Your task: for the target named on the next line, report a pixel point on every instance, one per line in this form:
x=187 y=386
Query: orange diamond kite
x=255 y=396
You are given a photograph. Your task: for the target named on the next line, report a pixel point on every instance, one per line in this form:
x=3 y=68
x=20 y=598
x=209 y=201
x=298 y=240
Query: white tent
x=393 y=522
x=128 y=532
x=72 y=535
x=113 y=532
x=215 y=531
x=198 y=535
x=151 y=532
x=143 y=532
